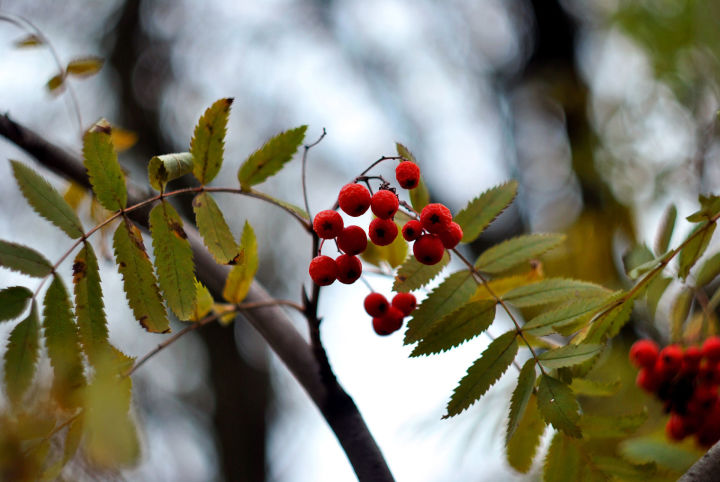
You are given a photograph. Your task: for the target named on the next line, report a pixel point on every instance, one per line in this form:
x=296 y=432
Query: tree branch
x=707 y=468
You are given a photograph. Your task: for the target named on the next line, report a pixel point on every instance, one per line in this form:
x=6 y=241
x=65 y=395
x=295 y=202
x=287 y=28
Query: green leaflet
x=72 y=442
x=708 y=271
x=203 y=302
x=481 y=211
x=165 y=168
x=393 y=254
x=24 y=260
x=413 y=275
x=661 y=451
x=46 y=201
x=13 y=301
x=695 y=248
x=609 y=324
x=173 y=259
x=562 y=462
x=568 y=355
x=592 y=388
x=296 y=209
x=514 y=251
x=520 y=397
x=616 y=426
x=637 y=260
x=457 y=327
x=139 y=281
x=679 y=312
x=665 y=231
x=21 y=356
x=241 y=275
x=709 y=207
x=620 y=469
x=455 y=290
x=558 y=405
x=567 y=314
x=208 y=141
x=655 y=290
x=89 y=308
x=483 y=373
x=271 y=157
x=100 y=159
x=552 y=290
x=63 y=346
x=522 y=446
x=404 y=152
x=214 y=230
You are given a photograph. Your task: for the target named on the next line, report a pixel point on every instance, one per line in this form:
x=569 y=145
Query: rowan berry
x=323 y=270
x=711 y=348
x=435 y=217
x=384 y=204
x=669 y=360
x=389 y=322
x=675 y=427
x=354 y=199
x=644 y=353
x=412 y=230
x=328 y=224
x=407 y=174
x=376 y=304
x=428 y=249
x=404 y=302
x=691 y=359
x=349 y=268
x=382 y=231
x=451 y=236
x=648 y=380
x=352 y=240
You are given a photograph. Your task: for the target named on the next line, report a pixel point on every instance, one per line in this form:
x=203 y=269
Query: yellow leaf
x=500 y=286
x=85 y=67
x=123 y=139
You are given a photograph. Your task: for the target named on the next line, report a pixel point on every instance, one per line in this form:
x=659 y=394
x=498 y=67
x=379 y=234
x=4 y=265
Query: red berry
x=354 y=199
x=428 y=249
x=389 y=322
x=328 y=224
x=412 y=230
x=669 y=361
x=382 y=231
x=707 y=374
x=384 y=204
x=643 y=353
x=435 y=217
x=407 y=174
x=451 y=235
x=404 y=302
x=647 y=380
x=675 y=427
x=691 y=359
x=349 y=268
x=711 y=348
x=323 y=270
x=376 y=304
x=352 y=240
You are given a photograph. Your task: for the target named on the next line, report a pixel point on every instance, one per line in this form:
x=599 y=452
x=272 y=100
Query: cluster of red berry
x=687 y=382
x=388 y=317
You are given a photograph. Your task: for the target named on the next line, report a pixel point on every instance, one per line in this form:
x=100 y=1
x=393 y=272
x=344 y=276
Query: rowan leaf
x=404 y=152
x=514 y=251
x=165 y=168
x=413 y=275
x=568 y=355
x=21 y=356
x=520 y=397
x=46 y=201
x=89 y=308
x=73 y=436
x=638 y=260
x=483 y=373
x=203 y=302
x=609 y=323
x=558 y=405
x=562 y=462
x=567 y=314
x=271 y=157
x=709 y=270
x=592 y=388
x=13 y=301
x=241 y=275
x=214 y=230
x=709 y=207
x=173 y=259
x=679 y=312
x=63 y=345
x=457 y=327
x=84 y=67
x=665 y=231
x=620 y=469
x=553 y=290
x=454 y=291
x=661 y=451
x=654 y=292
x=207 y=145
x=484 y=209
x=100 y=159
x=521 y=447
x=615 y=426
x=139 y=282
x=500 y=286
x=30 y=40
x=694 y=248
x=55 y=82
x=22 y=259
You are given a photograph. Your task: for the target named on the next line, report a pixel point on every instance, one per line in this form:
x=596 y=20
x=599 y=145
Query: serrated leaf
x=694 y=248
x=454 y=291
x=165 y=168
x=484 y=209
x=665 y=231
x=84 y=67
x=709 y=270
x=568 y=355
x=657 y=449
x=393 y=254
x=558 y=405
x=46 y=201
x=522 y=446
x=566 y=314
x=514 y=251
x=271 y=157
x=413 y=275
x=483 y=373
x=420 y=196
x=30 y=40
x=404 y=152
x=13 y=301
x=21 y=356
x=709 y=207
x=296 y=209
x=203 y=302
x=552 y=290
x=457 y=327
x=208 y=142
x=620 y=469
x=100 y=159
x=654 y=292
x=500 y=286
x=615 y=426
x=520 y=397
x=73 y=436
x=139 y=282
x=592 y=388
x=214 y=230
x=679 y=312
x=63 y=346
x=241 y=275
x=562 y=462
x=55 y=82
x=89 y=308
x=608 y=325
x=24 y=260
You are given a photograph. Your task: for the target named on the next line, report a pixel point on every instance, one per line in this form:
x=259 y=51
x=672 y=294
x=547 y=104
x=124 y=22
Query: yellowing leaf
x=13 y=301
x=552 y=290
x=413 y=275
x=520 y=397
x=271 y=157
x=100 y=158
x=55 y=83
x=241 y=275
x=481 y=211
x=500 y=286
x=84 y=67
x=457 y=327
x=30 y=40
x=214 y=230
x=122 y=139
x=74 y=195
x=208 y=142
x=21 y=356
x=165 y=168
x=558 y=406
x=514 y=251
x=23 y=260
x=89 y=308
x=562 y=462
x=522 y=446
x=203 y=302
x=393 y=254
x=599 y=426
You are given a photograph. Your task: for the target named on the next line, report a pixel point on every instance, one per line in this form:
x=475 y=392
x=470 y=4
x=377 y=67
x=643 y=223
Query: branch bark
x=336 y=406
x=707 y=468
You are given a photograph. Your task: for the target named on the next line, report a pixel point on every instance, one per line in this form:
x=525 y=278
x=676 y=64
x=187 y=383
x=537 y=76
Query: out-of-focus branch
x=336 y=406
x=707 y=468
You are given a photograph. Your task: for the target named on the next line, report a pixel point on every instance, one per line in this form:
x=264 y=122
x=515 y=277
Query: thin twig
x=307 y=147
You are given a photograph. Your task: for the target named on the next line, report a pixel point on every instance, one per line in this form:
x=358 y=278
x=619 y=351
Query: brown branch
x=707 y=468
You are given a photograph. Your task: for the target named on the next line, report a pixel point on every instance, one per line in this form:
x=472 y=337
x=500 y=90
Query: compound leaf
x=271 y=157
x=208 y=142
x=457 y=327
x=22 y=355
x=481 y=211
x=13 y=301
x=24 y=260
x=568 y=355
x=558 y=405
x=413 y=275
x=89 y=308
x=552 y=290
x=100 y=159
x=214 y=230
x=695 y=248
x=514 y=251
x=165 y=168
x=241 y=275
x=520 y=398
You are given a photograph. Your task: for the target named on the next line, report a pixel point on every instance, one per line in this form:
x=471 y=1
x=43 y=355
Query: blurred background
x=603 y=110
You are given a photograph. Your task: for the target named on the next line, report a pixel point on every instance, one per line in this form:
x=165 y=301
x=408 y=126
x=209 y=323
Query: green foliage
x=679 y=312
x=654 y=292
x=709 y=208
x=481 y=211
x=413 y=275
x=709 y=270
x=553 y=290
x=592 y=388
x=514 y=251
x=13 y=301
x=106 y=176
x=609 y=323
x=241 y=275
x=208 y=141
x=576 y=311
x=483 y=373
x=271 y=157
x=520 y=397
x=214 y=230
x=89 y=308
x=562 y=462
x=695 y=248
x=665 y=231
x=568 y=355
x=657 y=449
x=522 y=446
x=457 y=327
x=165 y=168
x=24 y=260
x=558 y=405
x=620 y=469
x=46 y=201
x=21 y=356
x=615 y=426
